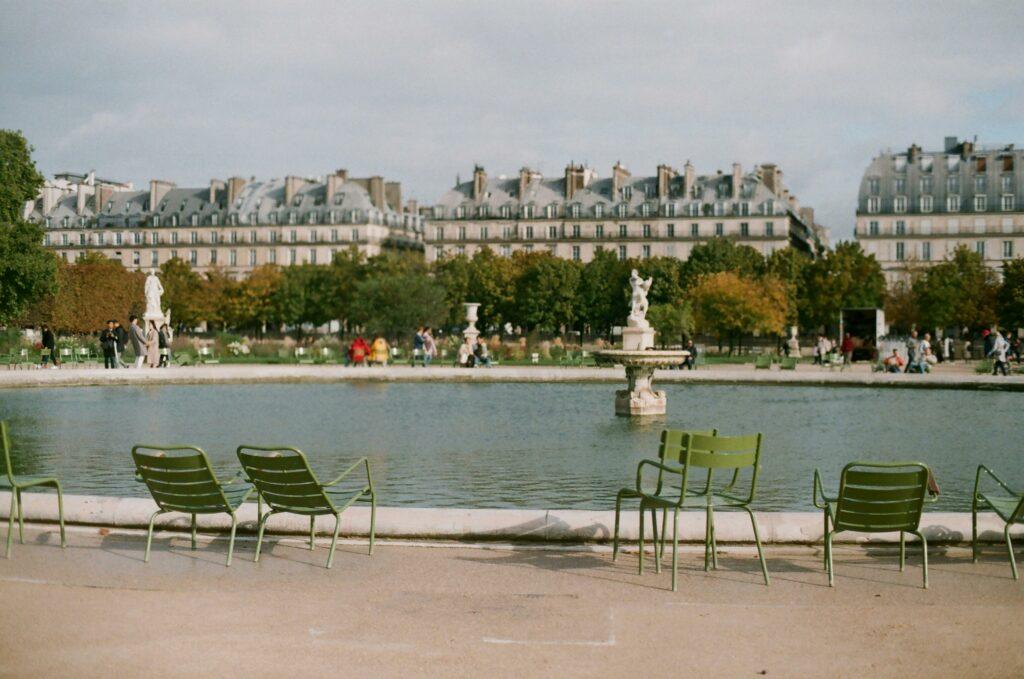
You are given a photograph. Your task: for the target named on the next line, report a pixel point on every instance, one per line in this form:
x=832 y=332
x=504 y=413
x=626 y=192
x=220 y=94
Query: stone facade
x=634 y=217
x=916 y=207
x=234 y=225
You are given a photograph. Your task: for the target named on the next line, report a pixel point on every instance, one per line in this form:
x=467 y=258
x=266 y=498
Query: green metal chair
x=284 y=480
x=180 y=479
x=19 y=482
x=763 y=362
x=876 y=497
x=788 y=363
x=703 y=452
x=1008 y=505
x=671 y=442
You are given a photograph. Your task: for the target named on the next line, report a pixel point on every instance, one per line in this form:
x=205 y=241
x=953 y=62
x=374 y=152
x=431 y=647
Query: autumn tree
x=842 y=278
x=718 y=255
x=91 y=291
x=185 y=293
x=730 y=306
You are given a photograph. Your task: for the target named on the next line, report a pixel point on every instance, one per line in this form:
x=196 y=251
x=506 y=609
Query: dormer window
x=156 y=220
x=297 y=201
x=599 y=210
x=575 y=210
x=505 y=211
x=292 y=217
x=65 y=222
x=214 y=219
x=110 y=205
x=527 y=212
x=670 y=209
x=622 y=209
x=438 y=212
x=874 y=186
x=549 y=211
x=163 y=206
x=311 y=219
x=744 y=209
x=194 y=219
x=899 y=186
x=645 y=210
x=460 y=212
x=174 y=220
x=272 y=217
x=627 y=192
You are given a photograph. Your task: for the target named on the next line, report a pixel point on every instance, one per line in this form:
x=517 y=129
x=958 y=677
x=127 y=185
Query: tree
x=1011 y=295
x=185 y=293
x=844 y=277
x=89 y=292
x=20 y=180
x=546 y=291
x=668 y=285
x=27 y=270
x=345 y=272
x=600 y=303
x=721 y=254
x=729 y=306
x=305 y=295
x=958 y=292
x=492 y=283
x=454 y=274
x=672 y=322
x=252 y=301
x=788 y=266
x=394 y=306
x=901 y=313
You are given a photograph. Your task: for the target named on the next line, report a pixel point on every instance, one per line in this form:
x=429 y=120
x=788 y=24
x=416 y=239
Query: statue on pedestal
x=154 y=289
x=638 y=300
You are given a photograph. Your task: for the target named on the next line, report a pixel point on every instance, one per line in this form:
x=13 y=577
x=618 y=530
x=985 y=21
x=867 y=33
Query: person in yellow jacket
x=379 y=351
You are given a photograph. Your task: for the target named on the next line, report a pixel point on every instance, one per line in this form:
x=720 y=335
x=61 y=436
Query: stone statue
x=638 y=300
x=153 y=291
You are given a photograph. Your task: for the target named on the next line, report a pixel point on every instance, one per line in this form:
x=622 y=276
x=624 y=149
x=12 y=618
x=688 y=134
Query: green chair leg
x=760 y=549
x=259 y=535
x=193 y=532
x=334 y=540
x=312 y=522
x=615 y=533
x=149 y=535
x=675 y=550
x=1009 y=550
x=231 y=541
x=373 y=519
x=924 y=556
x=828 y=555
x=10 y=523
x=714 y=543
x=654 y=539
x=664 y=526
x=974 y=530
x=21 y=517
x=60 y=514
x=903 y=550
x=640 y=544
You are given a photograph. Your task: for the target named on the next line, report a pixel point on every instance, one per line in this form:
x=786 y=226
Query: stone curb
x=540 y=525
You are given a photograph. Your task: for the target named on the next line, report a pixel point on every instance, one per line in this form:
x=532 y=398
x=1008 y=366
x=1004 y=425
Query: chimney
x=913 y=153
x=342 y=173
x=376 y=189
x=575 y=180
x=412 y=207
x=334 y=182
x=665 y=175
x=103 y=194
x=157 y=190
x=807 y=215
x=292 y=184
x=525 y=175
x=619 y=177
x=215 y=186
x=479 y=182
x=689 y=179
x=772 y=178
x=393 y=194
x=51 y=194
x=737 y=178
x=966 y=149
x=235 y=186
x=84 y=191
x=950 y=145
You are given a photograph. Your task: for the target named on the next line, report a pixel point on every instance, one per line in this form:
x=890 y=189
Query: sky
x=422 y=91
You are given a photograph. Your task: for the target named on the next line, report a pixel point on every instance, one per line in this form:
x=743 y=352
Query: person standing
x=429 y=346
x=49 y=348
x=947 y=349
x=417 y=345
x=152 y=345
x=164 y=341
x=138 y=340
x=108 y=342
x=847 y=348
x=924 y=354
x=912 y=346
x=121 y=335
x=998 y=353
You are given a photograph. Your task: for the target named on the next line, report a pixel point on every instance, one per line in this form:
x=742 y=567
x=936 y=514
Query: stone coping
x=538 y=525
x=805 y=375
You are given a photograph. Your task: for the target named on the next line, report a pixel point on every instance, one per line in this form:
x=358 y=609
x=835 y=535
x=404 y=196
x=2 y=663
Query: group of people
x=1000 y=348
x=360 y=352
x=151 y=345
x=424 y=348
x=827 y=350
x=473 y=353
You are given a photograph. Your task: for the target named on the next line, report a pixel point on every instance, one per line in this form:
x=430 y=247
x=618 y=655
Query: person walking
x=122 y=343
x=138 y=340
x=164 y=340
x=998 y=353
x=152 y=345
x=49 y=348
x=429 y=346
x=108 y=343
x=912 y=346
x=417 y=346
x=947 y=349
x=847 y=348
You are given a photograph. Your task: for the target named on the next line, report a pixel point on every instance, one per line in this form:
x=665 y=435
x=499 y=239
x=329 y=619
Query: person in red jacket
x=358 y=351
x=847 y=347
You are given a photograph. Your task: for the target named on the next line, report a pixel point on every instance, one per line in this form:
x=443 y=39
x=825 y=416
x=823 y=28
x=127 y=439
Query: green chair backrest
x=731 y=453
x=7 y=470
x=180 y=479
x=763 y=361
x=674 y=441
x=284 y=479
x=878 y=497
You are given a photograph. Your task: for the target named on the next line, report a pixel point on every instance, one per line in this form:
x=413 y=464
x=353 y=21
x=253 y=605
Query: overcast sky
x=420 y=91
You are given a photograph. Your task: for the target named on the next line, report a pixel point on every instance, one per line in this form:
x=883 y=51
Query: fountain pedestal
x=640 y=398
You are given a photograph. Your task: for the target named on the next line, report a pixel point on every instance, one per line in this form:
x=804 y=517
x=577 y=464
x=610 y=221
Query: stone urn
x=471 y=332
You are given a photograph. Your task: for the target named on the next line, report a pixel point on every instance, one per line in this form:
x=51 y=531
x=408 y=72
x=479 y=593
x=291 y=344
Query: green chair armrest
x=819 y=491
x=361 y=461
x=989 y=472
x=662 y=467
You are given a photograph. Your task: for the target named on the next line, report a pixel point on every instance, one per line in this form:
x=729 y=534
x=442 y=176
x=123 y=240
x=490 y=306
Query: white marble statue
x=154 y=289
x=638 y=300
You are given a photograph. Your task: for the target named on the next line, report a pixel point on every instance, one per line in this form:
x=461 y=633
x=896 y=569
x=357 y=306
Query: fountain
x=638 y=357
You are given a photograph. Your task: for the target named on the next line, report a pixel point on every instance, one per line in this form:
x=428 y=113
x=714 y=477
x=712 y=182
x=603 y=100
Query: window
x=645 y=210
x=670 y=230
x=272 y=257
x=214 y=219
x=462 y=233
x=622 y=253
x=529 y=233
x=899 y=204
x=81 y=238
x=484 y=231
x=528 y=248
x=646 y=252
x=136 y=258
x=926 y=203
x=252 y=257
x=213 y=237
x=355 y=234
x=311 y=217
x=174 y=254
x=439 y=233
x=926 y=184
x=99 y=239
x=174 y=220
x=744 y=229
x=293 y=256
x=980 y=203
x=154 y=238
x=769 y=207
x=926 y=251
x=460 y=250
x=136 y=238
x=233 y=258
x=622 y=231
x=874 y=204
x=899 y=186
x=274 y=236
x=193 y=237
x=599 y=210
x=234 y=236
x=575 y=210
x=312 y=255
x=575 y=230
x=505 y=212
x=272 y=218
x=194 y=219
x=213 y=257
x=506 y=250
x=979 y=183
x=622 y=210
x=719 y=229
x=719 y=209
x=1007 y=202
x=694 y=229
x=156 y=220
x=193 y=257
x=953 y=203
x=552 y=232
x=154 y=258
x=670 y=209
x=900 y=252
x=293 y=236
x=599 y=231
x=769 y=228
x=576 y=253
x=953 y=184
x=874 y=184
x=979 y=247
x=549 y=211
x=174 y=238
x=627 y=192
x=744 y=208
x=292 y=217
x=647 y=230
x=1007 y=249
x=118 y=239
x=254 y=218
x=334 y=235
x=901 y=227
x=1006 y=182
x=873 y=228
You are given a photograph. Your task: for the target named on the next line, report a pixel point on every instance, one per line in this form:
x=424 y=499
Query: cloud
x=420 y=92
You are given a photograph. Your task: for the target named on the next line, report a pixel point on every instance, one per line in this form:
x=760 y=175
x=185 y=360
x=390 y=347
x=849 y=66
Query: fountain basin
x=640 y=399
